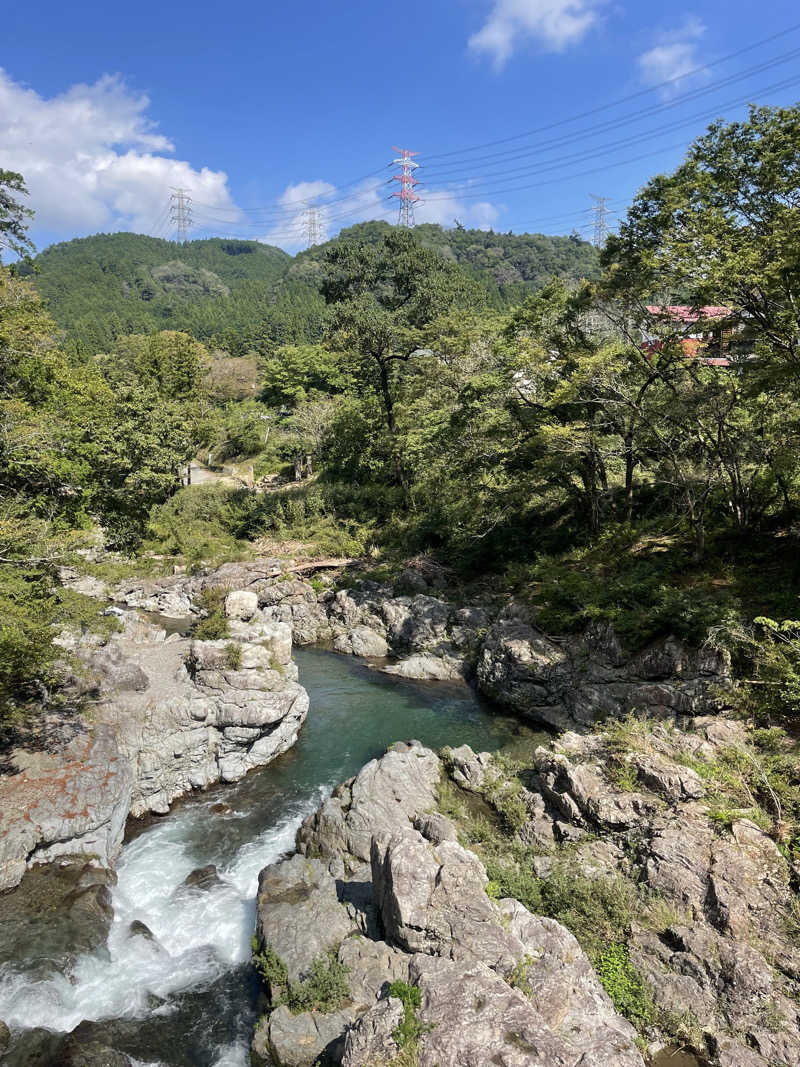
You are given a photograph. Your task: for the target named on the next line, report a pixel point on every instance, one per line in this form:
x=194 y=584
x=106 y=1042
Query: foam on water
x=198 y=933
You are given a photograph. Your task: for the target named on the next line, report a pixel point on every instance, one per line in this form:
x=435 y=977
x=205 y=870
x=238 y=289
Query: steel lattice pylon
x=408 y=183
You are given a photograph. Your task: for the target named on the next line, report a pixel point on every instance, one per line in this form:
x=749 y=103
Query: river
x=189 y=998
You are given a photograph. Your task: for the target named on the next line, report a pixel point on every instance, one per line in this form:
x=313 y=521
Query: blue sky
x=263 y=109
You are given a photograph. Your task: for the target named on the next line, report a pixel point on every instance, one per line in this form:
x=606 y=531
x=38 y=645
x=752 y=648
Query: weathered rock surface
x=720 y=955
x=169 y=716
x=577 y=680
x=386 y=880
x=589 y=678
x=71 y=802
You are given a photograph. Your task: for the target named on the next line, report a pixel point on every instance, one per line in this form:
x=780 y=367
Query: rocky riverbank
x=398 y=934
x=563 y=682
x=161 y=716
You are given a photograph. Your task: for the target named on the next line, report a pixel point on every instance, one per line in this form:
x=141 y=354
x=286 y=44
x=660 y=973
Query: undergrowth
x=325 y=988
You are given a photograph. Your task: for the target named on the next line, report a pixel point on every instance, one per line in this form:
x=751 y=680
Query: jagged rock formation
x=169 y=715
x=563 y=682
x=396 y=897
x=721 y=960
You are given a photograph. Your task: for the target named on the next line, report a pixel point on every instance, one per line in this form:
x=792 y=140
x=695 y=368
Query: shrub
x=411 y=1029
x=325 y=988
x=233 y=656
x=214 y=624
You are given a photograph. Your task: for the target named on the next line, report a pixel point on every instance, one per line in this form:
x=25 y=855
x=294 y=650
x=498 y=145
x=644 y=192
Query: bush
x=214 y=624
x=411 y=1029
x=325 y=988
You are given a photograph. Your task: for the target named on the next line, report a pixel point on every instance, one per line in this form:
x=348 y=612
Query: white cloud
x=553 y=23
x=674 y=57
x=93 y=160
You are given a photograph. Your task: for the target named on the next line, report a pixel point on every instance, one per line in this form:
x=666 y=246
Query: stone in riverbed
x=202 y=878
x=241 y=604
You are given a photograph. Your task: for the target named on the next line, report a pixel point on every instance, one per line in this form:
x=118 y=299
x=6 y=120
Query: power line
x=625 y=120
x=283 y=214
x=622 y=99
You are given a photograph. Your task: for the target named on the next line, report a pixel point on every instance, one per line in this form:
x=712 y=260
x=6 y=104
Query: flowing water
x=188 y=997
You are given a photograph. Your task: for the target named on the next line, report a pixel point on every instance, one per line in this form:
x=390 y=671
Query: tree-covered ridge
x=244 y=295
x=508 y=265
x=102 y=287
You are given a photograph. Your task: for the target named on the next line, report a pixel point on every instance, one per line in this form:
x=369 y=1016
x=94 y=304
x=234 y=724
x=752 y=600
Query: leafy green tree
x=723 y=229
x=14 y=215
x=381 y=298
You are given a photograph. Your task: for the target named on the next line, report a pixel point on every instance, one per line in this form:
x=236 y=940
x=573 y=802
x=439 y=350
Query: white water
x=199 y=933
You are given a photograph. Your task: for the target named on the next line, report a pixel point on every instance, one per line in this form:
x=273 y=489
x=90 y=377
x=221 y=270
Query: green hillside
x=237 y=294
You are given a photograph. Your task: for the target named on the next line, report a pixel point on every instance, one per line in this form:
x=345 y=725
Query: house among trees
x=706 y=334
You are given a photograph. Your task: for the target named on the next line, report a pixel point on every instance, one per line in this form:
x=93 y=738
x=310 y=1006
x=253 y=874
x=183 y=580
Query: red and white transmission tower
x=408 y=182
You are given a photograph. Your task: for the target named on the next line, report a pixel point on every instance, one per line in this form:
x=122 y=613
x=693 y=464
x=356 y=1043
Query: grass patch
x=411 y=1029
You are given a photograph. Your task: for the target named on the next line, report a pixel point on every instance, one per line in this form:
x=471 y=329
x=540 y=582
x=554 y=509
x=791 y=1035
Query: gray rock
x=241 y=604
x=427 y=667
x=362 y=641
x=467 y=769
x=64 y=804
x=371 y=1041
x=433 y=900
x=385 y=795
x=202 y=878
x=140 y=929
x=300 y=1040
x=298 y=913
x=588 y=678
x=476 y=1018
x=670 y=780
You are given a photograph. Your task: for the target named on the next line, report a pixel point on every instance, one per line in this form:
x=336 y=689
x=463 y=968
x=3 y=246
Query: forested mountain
x=239 y=294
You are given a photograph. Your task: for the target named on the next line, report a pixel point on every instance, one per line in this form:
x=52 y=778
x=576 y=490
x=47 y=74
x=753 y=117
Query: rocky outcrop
x=168 y=715
x=712 y=943
x=585 y=679
x=70 y=802
x=578 y=680
x=397 y=898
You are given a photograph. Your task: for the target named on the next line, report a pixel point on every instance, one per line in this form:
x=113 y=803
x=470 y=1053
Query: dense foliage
x=244 y=295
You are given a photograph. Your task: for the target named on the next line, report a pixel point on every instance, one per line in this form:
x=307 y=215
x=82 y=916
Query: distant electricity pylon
x=601 y=211
x=313 y=227
x=408 y=182
x=180 y=212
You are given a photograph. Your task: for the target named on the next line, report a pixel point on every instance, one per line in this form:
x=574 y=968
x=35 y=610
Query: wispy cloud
x=555 y=24
x=94 y=160
x=675 y=58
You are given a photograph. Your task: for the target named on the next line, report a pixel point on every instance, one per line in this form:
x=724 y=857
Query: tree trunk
x=629 y=465
x=386 y=394
x=298 y=467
